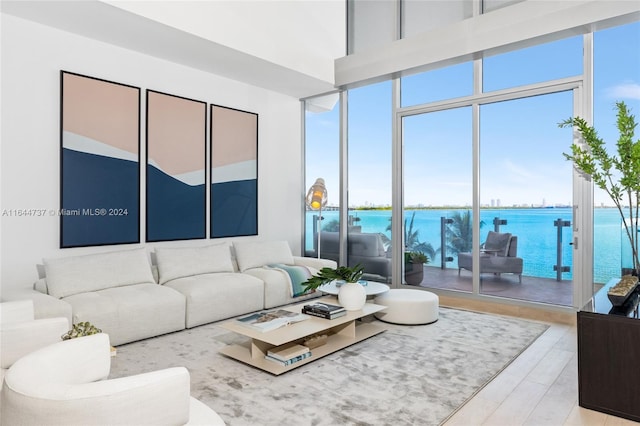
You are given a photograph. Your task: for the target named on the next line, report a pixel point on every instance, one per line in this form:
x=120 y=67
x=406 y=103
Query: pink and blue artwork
x=234 y=172
x=99 y=163
x=176 y=154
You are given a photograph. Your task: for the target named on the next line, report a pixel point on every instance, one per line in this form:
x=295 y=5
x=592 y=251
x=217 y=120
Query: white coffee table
x=342 y=332
x=372 y=288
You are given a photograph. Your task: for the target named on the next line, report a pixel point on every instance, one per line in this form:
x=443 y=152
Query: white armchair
x=66 y=383
x=20 y=333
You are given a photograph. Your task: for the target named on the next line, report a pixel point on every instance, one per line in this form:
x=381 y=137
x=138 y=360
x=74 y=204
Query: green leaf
x=617 y=174
x=326 y=275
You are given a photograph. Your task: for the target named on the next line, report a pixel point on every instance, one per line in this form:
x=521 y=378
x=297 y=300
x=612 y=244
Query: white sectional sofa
x=130 y=298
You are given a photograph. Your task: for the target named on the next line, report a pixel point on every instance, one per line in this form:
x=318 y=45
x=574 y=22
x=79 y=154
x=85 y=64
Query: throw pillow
x=189 y=261
x=92 y=272
x=498 y=241
x=255 y=254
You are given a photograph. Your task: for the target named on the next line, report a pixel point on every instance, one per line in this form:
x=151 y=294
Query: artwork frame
x=99 y=161
x=176 y=144
x=233 y=172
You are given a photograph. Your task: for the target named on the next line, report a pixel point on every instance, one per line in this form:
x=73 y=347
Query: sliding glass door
x=526 y=198
x=438 y=195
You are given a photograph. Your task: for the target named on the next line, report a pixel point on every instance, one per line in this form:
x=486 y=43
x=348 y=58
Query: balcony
x=532 y=289
x=544 y=236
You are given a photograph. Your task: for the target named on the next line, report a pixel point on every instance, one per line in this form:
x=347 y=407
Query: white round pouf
x=408 y=306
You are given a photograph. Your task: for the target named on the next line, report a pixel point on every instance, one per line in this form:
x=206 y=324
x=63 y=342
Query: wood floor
x=538 y=388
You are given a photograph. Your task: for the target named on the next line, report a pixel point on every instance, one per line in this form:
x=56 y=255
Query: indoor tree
x=618 y=175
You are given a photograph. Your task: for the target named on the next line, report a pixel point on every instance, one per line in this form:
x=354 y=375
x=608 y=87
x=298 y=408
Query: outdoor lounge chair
x=498 y=255
x=364 y=248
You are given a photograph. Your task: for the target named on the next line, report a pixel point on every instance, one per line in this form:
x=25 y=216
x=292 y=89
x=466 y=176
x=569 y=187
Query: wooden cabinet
x=609 y=356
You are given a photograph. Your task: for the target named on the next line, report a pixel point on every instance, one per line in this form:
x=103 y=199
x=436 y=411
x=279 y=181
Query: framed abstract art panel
x=234 y=172
x=176 y=171
x=99 y=162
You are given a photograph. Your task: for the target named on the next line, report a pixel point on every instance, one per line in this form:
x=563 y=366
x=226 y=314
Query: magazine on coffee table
x=270 y=320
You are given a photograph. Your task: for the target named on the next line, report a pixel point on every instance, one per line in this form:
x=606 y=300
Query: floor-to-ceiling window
x=526 y=186
x=437 y=172
x=438 y=193
x=322 y=160
x=616 y=77
x=524 y=182
x=526 y=192
x=369 y=180
x=511 y=144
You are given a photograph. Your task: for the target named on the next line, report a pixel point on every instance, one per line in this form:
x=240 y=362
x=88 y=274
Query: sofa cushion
x=79 y=274
x=260 y=253
x=498 y=241
x=188 y=261
x=131 y=313
x=277 y=288
x=366 y=245
x=212 y=297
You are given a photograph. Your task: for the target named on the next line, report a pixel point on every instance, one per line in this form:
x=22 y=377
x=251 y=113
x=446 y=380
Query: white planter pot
x=352 y=296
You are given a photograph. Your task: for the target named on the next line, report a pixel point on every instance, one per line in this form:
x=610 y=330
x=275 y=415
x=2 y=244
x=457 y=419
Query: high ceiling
x=259 y=42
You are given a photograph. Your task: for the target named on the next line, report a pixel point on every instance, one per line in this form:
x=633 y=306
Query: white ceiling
x=258 y=42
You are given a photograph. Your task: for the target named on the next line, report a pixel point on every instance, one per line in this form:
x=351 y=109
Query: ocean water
x=537 y=235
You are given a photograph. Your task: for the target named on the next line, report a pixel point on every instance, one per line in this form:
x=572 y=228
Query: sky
x=521 y=145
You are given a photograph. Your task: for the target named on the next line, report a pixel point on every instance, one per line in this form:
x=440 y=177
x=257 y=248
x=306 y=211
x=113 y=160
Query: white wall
x=32 y=56
x=305 y=36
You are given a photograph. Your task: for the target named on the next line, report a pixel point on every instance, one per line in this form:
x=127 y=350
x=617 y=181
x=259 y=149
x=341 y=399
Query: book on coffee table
x=324 y=310
x=290 y=360
x=270 y=320
x=288 y=351
x=325 y=315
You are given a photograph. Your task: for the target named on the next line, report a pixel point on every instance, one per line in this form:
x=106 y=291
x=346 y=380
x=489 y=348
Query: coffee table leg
x=348 y=329
x=259 y=349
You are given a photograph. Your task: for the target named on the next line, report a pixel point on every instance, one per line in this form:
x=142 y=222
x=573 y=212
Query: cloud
x=628 y=90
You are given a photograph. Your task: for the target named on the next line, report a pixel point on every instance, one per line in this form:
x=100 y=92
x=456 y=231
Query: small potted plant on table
x=352 y=295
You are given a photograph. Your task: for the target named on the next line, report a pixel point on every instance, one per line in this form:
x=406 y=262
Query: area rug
x=408 y=375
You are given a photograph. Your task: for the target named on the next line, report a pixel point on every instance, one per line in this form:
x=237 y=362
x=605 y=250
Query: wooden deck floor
x=533 y=289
